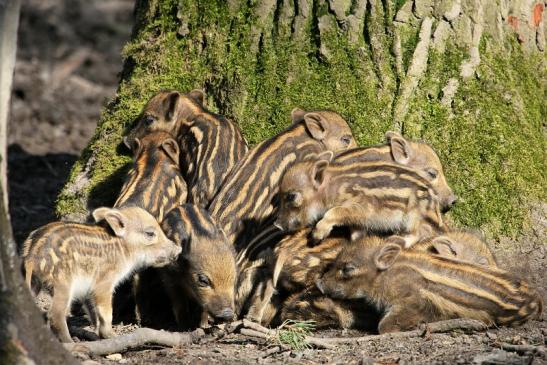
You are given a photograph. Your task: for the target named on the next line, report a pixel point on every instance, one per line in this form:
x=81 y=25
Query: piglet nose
x=226 y=314
x=453 y=200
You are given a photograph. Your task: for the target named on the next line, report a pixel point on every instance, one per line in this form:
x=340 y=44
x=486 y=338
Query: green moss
x=490 y=141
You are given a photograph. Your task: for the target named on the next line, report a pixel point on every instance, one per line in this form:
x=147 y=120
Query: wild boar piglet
x=205 y=271
x=87 y=262
x=247 y=201
x=373 y=196
x=165 y=111
x=414 y=154
x=210 y=144
x=459 y=244
x=414 y=287
x=155 y=181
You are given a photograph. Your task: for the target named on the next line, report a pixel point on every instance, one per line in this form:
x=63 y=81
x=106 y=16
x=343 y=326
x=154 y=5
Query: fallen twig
x=523 y=349
x=137 y=338
x=253 y=329
x=435 y=327
x=271 y=351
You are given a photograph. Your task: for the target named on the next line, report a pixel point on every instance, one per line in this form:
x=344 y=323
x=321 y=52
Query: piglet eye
x=203 y=280
x=148 y=120
x=290 y=197
x=432 y=173
x=346 y=140
x=150 y=234
x=347 y=270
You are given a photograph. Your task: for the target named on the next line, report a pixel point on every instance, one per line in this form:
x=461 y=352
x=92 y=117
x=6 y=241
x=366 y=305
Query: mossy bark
x=467 y=76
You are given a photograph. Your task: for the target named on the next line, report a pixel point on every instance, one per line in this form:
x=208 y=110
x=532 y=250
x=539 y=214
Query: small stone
x=114 y=357
x=123 y=361
x=491 y=335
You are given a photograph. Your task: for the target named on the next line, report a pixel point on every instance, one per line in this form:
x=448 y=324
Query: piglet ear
x=400 y=150
x=115 y=219
x=318 y=172
x=316 y=125
x=176 y=227
x=392 y=134
x=386 y=256
x=444 y=246
x=171 y=148
x=197 y=95
x=170 y=105
x=99 y=213
x=398 y=240
x=326 y=155
x=136 y=148
x=297 y=115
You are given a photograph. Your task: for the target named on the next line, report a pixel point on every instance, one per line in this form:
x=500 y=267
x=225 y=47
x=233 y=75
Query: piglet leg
x=103 y=302
x=59 y=310
x=343 y=215
x=400 y=318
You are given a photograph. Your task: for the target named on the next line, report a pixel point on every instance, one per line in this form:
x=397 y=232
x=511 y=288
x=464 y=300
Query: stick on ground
x=253 y=329
x=137 y=338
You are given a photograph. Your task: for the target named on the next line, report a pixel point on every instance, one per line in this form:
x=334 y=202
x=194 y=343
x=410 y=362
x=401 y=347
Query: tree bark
x=24 y=338
x=468 y=76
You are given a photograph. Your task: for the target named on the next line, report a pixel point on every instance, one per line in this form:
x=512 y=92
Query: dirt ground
x=67 y=66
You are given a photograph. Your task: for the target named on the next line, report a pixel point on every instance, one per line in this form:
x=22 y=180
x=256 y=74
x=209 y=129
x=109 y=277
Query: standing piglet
x=81 y=261
x=414 y=287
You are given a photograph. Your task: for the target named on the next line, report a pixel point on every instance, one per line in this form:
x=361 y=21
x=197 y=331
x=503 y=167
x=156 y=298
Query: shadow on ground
x=33 y=183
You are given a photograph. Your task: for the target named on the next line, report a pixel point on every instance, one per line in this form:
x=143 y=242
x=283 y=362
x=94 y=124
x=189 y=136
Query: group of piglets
x=302 y=184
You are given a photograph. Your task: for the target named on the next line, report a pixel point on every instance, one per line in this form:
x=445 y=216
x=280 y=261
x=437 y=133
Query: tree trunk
x=24 y=338
x=467 y=76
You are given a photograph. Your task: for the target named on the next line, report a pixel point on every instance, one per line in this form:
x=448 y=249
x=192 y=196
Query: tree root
x=143 y=336
x=134 y=339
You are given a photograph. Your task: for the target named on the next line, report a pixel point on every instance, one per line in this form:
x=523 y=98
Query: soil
x=67 y=68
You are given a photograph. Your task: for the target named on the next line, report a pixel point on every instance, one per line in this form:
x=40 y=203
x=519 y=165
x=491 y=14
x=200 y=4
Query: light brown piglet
x=82 y=261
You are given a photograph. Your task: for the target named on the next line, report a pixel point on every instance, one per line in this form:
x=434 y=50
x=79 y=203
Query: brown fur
x=78 y=261
x=413 y=287
x=210 y=145
x=311 y=305
x=155 y=182
x=459 y=244
x=205 y=271
x=246 y=200
x=371 y=196
x=166 y=111
x=417 y=155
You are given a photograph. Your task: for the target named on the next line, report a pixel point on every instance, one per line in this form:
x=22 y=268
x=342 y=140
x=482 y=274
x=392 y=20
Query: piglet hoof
x=320 y=232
